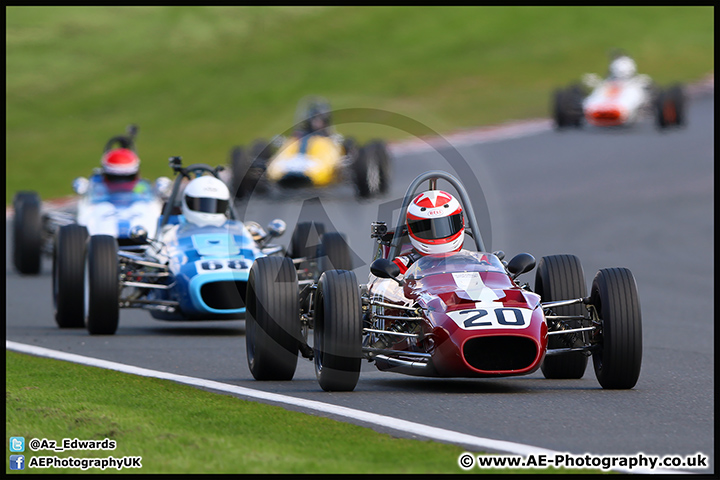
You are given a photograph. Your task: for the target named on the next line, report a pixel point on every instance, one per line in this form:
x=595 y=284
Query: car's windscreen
x=120 y=194
x=463 y=261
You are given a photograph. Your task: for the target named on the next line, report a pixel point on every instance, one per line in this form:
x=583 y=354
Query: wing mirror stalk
x=384 y=268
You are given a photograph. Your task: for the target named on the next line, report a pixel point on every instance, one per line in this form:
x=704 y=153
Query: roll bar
x=185 y=172
x=432 y=176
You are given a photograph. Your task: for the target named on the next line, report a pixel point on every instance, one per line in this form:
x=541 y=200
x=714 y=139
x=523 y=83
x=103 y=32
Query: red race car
x=459 y=315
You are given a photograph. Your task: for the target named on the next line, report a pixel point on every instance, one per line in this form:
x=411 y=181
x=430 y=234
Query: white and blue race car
x=187 y=270
x=102 y=207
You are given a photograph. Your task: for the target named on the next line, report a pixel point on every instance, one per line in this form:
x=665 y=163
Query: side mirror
x=276 y=228
x=521 y=263
x=163 y=186
x=81 y=185
x=138 y=234
x=256 y=231
x=384 y=268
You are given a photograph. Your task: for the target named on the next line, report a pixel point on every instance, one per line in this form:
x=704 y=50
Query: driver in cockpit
x=435 y=225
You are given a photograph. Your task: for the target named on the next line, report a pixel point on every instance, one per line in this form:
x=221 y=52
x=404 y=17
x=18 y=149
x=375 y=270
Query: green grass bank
x=198 y=80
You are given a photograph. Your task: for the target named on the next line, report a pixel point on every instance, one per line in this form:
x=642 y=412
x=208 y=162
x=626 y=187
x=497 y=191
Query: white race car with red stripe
x=617 y=102
x=458 y=315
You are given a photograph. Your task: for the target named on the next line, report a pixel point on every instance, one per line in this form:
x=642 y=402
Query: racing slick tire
x=337 y=331
x=670 y=107
x=618 y=359
x=301 y=245
x=558 y=111
x=678 y=99
x=660 y=114
x=366 y=172
x=260 y=153
x=247 y=168
x=27 y=233
x=102 y=309
x=575 y=110
x=272 y=320
x=351 y=149
x=333 y=253
x=68 y=273
x=567 y=107
x=561 y=277
x=381 y=152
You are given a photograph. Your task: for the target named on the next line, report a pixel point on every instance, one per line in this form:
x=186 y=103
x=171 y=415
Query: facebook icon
x=17 y=462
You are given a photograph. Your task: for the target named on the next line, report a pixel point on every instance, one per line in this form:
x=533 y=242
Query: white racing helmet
x=435 y=223
x=205 y=201
x=623 y=68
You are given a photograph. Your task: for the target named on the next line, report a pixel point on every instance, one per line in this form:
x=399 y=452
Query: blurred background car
x=622 y=98
x=313 y=156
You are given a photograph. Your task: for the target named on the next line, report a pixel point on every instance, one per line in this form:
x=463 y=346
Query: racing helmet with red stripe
x=435 y=223
x=120 y=164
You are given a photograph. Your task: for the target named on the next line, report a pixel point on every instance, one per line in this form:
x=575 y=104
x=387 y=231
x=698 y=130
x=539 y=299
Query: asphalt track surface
x=636 y=198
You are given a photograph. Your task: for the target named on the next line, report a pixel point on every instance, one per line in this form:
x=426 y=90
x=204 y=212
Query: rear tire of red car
x=68 y=276
x=101 y=282
x=272 y=319
x=561 y=277
x=333 y=253
x=618 y=359
x=338 y=331
x=27 y=233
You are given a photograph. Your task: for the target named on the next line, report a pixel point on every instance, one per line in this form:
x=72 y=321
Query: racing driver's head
x=622 y=68
x=205 y=201
x=435 y=223
x=120 y=165
x=314 y=115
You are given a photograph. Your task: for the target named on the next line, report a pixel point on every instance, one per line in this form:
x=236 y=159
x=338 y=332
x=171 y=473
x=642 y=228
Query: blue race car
x=113 y=200
x=196 y=266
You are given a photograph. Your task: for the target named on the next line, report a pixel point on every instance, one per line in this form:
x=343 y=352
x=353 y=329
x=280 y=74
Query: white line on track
x=432 y=433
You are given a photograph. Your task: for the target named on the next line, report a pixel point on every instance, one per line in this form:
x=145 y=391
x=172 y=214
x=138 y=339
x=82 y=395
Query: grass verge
x=181 y=429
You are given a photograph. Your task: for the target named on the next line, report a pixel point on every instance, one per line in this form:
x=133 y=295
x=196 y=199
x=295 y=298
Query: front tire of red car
x=272 y=319
x=338 y=331
x=561 y=277
x=618 y=359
